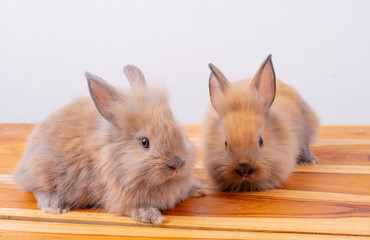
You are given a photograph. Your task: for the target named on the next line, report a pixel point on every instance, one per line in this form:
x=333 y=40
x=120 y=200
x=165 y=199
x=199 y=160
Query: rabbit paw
x=196 y=190
x=199 y=193
x=49 y=203
x=306 y=157
x=148 y=215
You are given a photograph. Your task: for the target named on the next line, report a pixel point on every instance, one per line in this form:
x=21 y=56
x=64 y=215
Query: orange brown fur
x=287 y=128
x=77 y=158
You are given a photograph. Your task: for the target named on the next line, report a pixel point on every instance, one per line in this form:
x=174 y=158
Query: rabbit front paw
x=148 y=215
x=306 y=157
x=48 y=202
x=196 y=190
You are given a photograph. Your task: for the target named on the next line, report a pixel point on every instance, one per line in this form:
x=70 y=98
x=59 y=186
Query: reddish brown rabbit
x=256 y=131
x=120 y=151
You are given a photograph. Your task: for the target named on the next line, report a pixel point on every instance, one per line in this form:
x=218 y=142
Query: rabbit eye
x=145 y=142
x=260 y=141
x=225 y=143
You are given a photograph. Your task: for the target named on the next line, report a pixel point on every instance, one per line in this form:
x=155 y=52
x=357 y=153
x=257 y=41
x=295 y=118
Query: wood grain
x=330 y=200
x=148 y=231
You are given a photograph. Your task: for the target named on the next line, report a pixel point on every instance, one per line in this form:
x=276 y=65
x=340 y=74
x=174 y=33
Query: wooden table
x=328 y=200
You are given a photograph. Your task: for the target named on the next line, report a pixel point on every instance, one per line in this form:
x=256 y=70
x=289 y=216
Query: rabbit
x=121 y=151
x=255 y=131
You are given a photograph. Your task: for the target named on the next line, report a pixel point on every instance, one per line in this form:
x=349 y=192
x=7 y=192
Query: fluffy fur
x=246 y=111
x=90 y=155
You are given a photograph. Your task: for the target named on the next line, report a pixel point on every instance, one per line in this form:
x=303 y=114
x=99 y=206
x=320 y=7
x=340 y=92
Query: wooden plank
x=149 y=231
x=341 y=169
x=279 y=224
x=327 y=200
x=12 y=143
x=263 y=204
x=345 y=131
x=345 y=154
x=15 y=235
x=333 y=182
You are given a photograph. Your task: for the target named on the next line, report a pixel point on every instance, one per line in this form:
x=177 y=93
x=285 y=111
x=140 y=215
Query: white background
x=320 y=47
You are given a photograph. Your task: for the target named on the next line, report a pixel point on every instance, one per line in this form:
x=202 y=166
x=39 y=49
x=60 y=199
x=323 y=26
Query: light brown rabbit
x=252 y=138
x=120 y=151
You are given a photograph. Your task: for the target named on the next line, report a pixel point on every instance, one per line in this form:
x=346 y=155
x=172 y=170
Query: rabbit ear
x=265 y=82
x=217 y=86
x=104 y=96
x=135 y=76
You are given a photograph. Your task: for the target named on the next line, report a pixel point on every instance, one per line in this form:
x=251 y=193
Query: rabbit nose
x=176 y=163
x=244 y=169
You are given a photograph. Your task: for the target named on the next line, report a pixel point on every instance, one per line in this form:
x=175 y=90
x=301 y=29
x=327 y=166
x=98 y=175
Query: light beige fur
x=87 y=155
x=241 y=113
